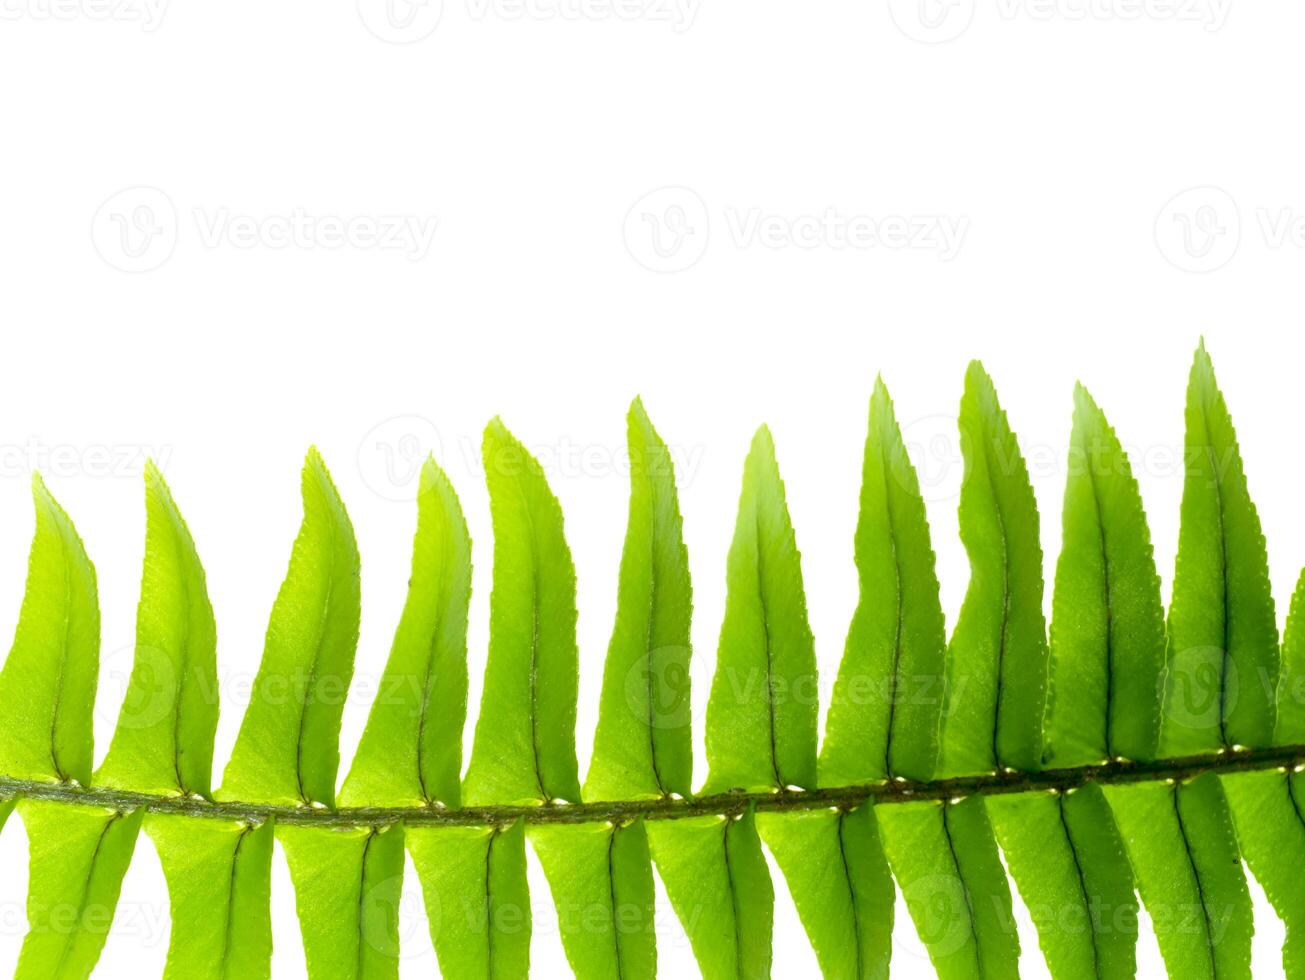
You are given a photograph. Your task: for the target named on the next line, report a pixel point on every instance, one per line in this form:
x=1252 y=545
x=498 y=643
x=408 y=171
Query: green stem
x=843 y=797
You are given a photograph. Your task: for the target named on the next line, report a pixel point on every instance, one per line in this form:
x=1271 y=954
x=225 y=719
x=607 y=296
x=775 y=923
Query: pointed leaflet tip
x=156 y=486
x=316 y=474
x=1202 y=367
x=432 y=476
x=45 y=501
x=495 y=428
x=1084 y=404
x=978 y=384
x=881 y=402
x=313 y=459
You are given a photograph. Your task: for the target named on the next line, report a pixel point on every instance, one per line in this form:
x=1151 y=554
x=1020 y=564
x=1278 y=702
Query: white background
x=154 y=159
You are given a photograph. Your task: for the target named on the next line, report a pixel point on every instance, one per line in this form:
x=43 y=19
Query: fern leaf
x=347 y=886
x=1223 y=639
x=837 y=873
x=164 y=739
x=524 y=750
x=473 y=881
x=761 y=714
x=642 y=746
x=1266 y=809
x=719 y=886
x=1290 y=726
x=48 y=682
x=1180 y=841
x=998 y=653
x=884 y=714
x=287 y=750
x=411 y=750
x=945 y=860
x=1107 y=629
x=1093 y=774
x=79 y=856
x=1067 y=859
x=600 y=875
x=219 y=886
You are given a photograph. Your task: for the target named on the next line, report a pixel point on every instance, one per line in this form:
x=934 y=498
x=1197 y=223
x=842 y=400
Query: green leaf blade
x=642 y=746
x=79 y=856
x=1267 y=811
x=1223 y=635
x=219 y=887
x=837 y=873
x=347 y=887
x=1107 y=628
x=473 y=881
x=1068 y=861
x=719 y=885
x=600 y=875
x=1181 y=844
x=887 y=701
x=761 y=714
x=945 y=860
x=48 y=682
x=287 y=751
x=524 y=750
x=1290 y=725
x=410 y=753
x=163 y=742
x=998 y=653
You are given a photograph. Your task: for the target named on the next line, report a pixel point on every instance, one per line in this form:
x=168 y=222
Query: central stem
x=1285 y=757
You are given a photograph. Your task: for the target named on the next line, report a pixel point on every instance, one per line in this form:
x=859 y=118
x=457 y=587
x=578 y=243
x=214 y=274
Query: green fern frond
x=1129 y=753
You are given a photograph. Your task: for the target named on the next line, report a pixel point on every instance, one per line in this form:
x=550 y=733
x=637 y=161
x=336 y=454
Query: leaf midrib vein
x=1109 y=606
x=851 y=891
x=897 y=623
x=768 y=650
x=965 y=888
x=429 y=676
x=1082 y=884
x=313 y=666
x=70 y=936
x=1196 y=877
x=57 y=708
